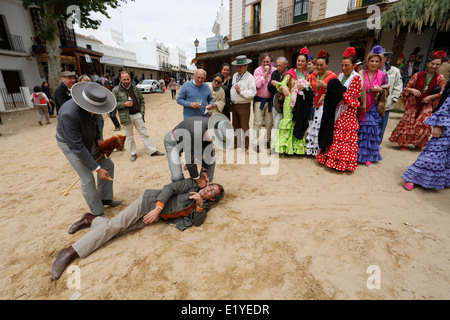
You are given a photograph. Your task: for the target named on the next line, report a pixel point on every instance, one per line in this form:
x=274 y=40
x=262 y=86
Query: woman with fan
x=421 y=95
x=341 y=152
x=319 y=82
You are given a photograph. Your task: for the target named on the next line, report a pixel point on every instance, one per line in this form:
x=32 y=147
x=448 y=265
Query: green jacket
x=121 y=97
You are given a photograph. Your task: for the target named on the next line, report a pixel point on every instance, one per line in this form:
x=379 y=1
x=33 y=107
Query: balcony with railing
x=164 y=66
x=299 y=12
x=12 y=42
x=356 y=4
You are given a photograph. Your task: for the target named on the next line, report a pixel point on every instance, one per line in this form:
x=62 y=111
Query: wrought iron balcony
x=299 y=12
x=12 y=42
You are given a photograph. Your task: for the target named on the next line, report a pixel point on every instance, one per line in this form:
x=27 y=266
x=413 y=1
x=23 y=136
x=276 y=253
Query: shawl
x=420 y=85
x=302 y=111
x=378 y=79
x=335 y=91
x=314 y=79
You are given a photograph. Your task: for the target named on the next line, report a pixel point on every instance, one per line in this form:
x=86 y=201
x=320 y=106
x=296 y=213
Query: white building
x=19 y=70
x=178 y=64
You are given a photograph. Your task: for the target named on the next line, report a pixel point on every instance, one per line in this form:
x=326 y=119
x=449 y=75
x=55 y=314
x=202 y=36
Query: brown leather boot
x=85 y=222
x=63 y=258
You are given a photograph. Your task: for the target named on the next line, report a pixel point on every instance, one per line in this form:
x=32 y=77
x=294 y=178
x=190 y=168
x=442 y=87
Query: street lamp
x=196 y=43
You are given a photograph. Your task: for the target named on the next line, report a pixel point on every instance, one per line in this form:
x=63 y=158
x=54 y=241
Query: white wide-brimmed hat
x=93 y=97
x=241 y=60
x=221 y=131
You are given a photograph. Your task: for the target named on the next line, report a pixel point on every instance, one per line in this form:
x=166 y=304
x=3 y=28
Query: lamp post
x=196 y=43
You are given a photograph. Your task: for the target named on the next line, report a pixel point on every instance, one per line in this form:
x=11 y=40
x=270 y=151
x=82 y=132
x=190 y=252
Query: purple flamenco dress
x=432 y=167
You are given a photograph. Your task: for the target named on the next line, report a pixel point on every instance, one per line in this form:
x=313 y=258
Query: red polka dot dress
x=342 y=155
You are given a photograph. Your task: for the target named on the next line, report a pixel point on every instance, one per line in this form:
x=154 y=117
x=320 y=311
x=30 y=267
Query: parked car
x=148 y=86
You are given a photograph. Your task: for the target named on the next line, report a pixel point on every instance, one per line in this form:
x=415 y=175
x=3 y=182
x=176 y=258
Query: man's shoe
x=133 y=158
x=117 y=129
x=158 y=154
x=85 y=222
x=63 y=258
x=112 y=203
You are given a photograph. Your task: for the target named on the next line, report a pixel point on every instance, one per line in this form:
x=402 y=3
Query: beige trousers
x=258 y=118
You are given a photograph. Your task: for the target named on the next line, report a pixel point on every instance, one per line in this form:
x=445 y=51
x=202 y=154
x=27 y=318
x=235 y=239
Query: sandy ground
x=306 y=232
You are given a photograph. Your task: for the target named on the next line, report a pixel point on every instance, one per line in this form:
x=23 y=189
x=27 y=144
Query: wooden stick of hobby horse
x=66 y=192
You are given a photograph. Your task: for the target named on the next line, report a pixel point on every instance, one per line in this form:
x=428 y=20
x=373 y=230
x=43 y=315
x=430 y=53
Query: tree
x=408 y=16
x=415 y=14
x=52 y=11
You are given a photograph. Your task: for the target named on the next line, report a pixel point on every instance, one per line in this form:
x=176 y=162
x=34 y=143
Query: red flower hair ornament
x=304 y=51
x=440 y=54
x=350 y=52
x=322 y=54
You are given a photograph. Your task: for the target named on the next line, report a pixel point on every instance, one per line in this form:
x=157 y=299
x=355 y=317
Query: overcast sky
x=175 y=23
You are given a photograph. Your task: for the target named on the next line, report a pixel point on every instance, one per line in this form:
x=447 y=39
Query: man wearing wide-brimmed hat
x=62 y=93
x=78 y=135
x=243 y=90
x=196 y=136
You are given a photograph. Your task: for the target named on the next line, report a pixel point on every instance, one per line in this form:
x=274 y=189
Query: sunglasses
x=217 y=81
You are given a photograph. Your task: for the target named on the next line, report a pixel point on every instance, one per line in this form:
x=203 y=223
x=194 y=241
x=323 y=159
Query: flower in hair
x=440 y=54
x=322 y=54
x=311 y=57
x=304 y=51
x=377 y=50
x=350 y=52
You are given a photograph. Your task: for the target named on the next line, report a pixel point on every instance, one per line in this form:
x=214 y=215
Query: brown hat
x=68 y=74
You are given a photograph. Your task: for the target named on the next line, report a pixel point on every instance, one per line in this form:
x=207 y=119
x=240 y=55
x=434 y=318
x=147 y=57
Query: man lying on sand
x=181 y=201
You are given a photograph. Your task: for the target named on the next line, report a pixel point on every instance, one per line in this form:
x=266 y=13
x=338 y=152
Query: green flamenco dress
x=285 y=142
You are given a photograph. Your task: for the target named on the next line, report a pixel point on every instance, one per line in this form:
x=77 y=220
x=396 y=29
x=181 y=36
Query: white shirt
x=248 y=88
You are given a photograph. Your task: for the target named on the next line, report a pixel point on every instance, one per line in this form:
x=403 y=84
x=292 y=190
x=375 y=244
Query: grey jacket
x=80 y=131
x=175 y=197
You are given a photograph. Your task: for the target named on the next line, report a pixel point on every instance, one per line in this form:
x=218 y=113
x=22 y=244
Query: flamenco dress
x=343 y=153
x=369 y=122
x=432 y=167
x=412 y=128
x=312 y=138
x=285 y=141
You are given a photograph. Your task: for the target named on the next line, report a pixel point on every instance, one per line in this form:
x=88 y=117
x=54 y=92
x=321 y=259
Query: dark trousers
x=241 y=120
x=51 y=108
x=114 y=119
x=174 y=94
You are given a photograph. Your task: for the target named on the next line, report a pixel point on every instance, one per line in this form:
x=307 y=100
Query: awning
x=329 y=34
